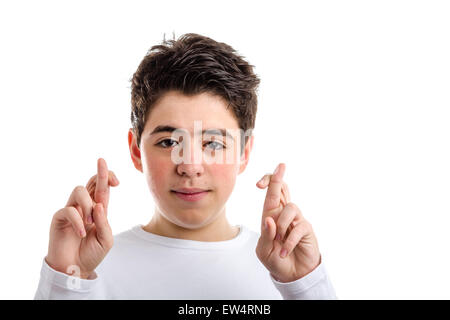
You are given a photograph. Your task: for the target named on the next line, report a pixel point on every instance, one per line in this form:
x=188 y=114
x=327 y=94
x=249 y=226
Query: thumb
x=103 y=229
x=268 y=232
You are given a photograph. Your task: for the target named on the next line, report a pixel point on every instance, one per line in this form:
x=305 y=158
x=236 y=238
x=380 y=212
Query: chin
x=190 y=220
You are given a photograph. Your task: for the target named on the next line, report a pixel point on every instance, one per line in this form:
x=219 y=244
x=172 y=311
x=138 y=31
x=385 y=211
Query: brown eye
x=167 y=143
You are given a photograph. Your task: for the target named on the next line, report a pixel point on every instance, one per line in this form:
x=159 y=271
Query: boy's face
x=195 y=160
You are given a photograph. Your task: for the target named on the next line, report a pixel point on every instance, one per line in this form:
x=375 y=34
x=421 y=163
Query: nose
x=190 y=170
x=191 y=164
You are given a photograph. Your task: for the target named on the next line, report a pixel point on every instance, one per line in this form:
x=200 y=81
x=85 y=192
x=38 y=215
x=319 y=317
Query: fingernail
x=89 y=219
x=278 y=237
x=82 y=233
x=283 y=253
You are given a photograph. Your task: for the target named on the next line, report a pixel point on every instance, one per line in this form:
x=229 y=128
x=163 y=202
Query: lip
x=190 y=194
x=190 y=190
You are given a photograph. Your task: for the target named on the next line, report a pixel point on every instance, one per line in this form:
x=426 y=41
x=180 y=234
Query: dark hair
x=194 y=64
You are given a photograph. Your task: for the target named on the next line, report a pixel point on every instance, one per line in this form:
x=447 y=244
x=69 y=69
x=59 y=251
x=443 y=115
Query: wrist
x=72 y=270
x=87 y=276
x=306 y=270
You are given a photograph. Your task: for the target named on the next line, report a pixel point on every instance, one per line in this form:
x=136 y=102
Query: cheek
x=224 y=176
x=156 y=172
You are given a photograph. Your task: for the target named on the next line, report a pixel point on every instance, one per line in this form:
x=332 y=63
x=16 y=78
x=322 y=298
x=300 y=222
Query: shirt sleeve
x=316 y=285
x=55 y=285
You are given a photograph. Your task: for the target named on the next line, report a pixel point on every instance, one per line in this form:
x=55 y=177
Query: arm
x=55 y=285
x=80 y=238
x=314 y=286
x=288 y=247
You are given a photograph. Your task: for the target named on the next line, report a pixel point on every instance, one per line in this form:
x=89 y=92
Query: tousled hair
x=194 y=64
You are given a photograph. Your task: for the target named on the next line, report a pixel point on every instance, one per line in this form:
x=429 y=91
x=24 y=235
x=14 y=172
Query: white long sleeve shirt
x=143 y=265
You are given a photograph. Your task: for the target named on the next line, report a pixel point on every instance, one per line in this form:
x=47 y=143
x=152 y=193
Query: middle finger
x=285 y=194
x=90 y=186
x=288 y=217
x=101 y=194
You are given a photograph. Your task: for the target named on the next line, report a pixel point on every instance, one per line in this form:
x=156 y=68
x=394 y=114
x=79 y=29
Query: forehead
x=181 y=111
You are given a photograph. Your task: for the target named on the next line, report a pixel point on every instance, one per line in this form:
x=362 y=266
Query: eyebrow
x=217 y=131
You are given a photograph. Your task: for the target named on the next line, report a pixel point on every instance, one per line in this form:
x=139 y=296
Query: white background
x=354 y=98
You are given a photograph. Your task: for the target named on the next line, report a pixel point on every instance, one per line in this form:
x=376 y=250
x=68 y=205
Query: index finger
x=102 y=188
x=273 y=196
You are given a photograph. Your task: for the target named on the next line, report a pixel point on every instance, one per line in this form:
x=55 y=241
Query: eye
x=216 y=145
x=166 y=143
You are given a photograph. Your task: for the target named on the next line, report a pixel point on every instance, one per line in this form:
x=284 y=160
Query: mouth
x=193 y=194
x=190 y=190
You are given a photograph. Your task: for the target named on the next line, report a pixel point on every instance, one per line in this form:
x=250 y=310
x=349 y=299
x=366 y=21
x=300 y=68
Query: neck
x=218 y=230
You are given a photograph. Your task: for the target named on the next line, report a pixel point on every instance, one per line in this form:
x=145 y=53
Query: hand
x=287 y=230
x=80 y=235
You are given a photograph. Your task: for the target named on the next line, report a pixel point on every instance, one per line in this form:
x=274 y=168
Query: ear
x=246 y=154
x=134 y=150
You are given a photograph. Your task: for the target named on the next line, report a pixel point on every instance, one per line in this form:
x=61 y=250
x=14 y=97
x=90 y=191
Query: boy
x=193 y=108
